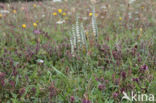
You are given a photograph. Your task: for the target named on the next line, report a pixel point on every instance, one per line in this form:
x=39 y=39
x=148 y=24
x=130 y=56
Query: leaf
x=57 y=71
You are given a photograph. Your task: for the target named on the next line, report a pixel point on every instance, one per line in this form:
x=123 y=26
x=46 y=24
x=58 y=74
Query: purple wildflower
x=72 y=99
x=97 y=79
x=115 y=95
x=122 y=90
x=135 y=79
x=36 y=32
x=2 y=75
x=144 y=67
x=21 y=91
x=14 y=72
x=86 y=101
x=123 y=74
x=12 y=83
x=52 y=90
x=102 y=79
x=2 y=82
x=33 y=90
x=117 y=81
x=139 y=59
x=101 y=87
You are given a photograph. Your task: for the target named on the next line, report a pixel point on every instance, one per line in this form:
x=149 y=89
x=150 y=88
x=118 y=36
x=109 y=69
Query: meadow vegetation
x=77 y=51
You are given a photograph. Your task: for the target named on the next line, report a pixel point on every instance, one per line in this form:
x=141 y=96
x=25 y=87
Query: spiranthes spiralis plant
x=74 y=36
x=78 y=30
x=94 y=25
x=78 y=39
x=83 y=37
x=72 y=46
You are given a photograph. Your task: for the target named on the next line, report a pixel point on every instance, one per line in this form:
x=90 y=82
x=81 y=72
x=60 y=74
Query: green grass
x=95 y=74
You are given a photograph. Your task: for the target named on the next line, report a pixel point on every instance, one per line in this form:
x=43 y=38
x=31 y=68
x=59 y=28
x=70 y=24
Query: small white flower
x=69 y=13
x=57 y=0
x=43 y=16
x=131 y=1
x=60 y=22
x=136 y=12
x=85 y=18
x=136 y=19
x=102 y=17
x=35 y=16
x=4 y=11
x=130 y=15
x=40 y=61
x=103 y=7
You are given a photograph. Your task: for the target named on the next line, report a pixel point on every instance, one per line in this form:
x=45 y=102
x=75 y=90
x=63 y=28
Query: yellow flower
x=141 y=30
x=35 y=24
x=60 y=10
x=14 y=11
x=54 y=13
x=24 y=26
x=34 y=5
x=90 y=14
x=120 y=18
x=37 y=21
x=96 y=14
x=1 y=15
x=64 y=14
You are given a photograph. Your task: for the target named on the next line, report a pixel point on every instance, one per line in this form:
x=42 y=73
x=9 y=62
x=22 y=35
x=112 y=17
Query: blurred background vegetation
x=18 y=0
